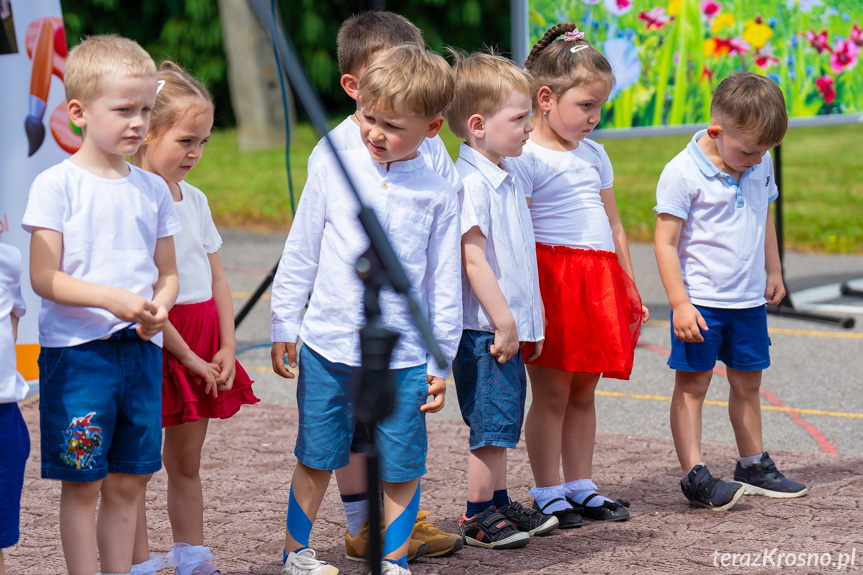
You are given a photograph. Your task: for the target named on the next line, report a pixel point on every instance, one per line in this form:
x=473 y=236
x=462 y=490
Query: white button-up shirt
x=12 y=385
x=418 y=210
x=493 y=200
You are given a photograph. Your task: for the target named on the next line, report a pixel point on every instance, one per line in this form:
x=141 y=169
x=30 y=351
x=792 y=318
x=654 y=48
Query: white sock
x=186 y=557
x=544 y=495
x=746 y=462
x=580 y=489
x=150 y=566
x=356 y=512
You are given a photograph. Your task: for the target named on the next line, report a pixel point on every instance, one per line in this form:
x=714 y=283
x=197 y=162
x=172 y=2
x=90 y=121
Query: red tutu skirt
x=183 y=397
x=593 y=311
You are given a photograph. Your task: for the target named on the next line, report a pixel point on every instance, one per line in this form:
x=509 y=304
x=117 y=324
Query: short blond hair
x=752 y=104
x=98 y=58
x=363 y=36
x=408 y=79
x=482 y=84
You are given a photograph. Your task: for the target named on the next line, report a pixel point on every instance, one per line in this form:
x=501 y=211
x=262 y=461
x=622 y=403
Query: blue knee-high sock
x=400 y=530
x=298 y=523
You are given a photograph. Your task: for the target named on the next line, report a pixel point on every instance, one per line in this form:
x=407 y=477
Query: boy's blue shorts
x=16 y=447
x=491 y=395
x=738 y=337
x=325 y=392
x=101 y=408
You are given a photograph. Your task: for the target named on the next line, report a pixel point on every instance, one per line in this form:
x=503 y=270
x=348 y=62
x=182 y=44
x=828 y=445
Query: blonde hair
x=408 y=79
x=98 y=58
x=365 y=35
x=482 y=83
x=180 y=95
x=753 y=104
x=562 y=65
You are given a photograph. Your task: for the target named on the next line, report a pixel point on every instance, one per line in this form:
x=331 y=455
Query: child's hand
x=687 y=320
x=775 y=291
x=437 y=390
x=201 y=370
x=537 y=349
x=505 y=344
x=152 y=323
x=277 y=356
x=645 y=313
x=226 y=359
x=128 y=306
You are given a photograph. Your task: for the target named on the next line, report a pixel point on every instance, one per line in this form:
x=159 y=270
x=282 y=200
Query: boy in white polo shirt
x=491 y=111
x=717 y=254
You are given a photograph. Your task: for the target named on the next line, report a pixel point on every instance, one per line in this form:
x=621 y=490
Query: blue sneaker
x=765 y=479
x=704 y=490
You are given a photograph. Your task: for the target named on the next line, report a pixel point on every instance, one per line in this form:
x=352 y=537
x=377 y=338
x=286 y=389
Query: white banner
x=35 y=133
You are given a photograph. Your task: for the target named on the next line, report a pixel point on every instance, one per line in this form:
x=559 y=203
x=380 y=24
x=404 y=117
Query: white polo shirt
x=493 y=200
x=12 y=385
x=721 y=246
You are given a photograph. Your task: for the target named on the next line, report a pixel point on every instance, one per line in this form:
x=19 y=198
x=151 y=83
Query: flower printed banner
x=668 y=56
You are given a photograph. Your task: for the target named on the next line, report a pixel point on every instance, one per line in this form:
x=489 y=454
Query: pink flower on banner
x=819 y=41
x=827 y=86
x=765 y=59
x=738 y=45
x=618 y=7
x=710 y=8
x=857 y=34
x=656 y=18
x=844 y=56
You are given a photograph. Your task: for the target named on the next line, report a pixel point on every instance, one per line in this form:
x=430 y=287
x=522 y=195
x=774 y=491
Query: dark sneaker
x=765 y=479
x=566 y=518
x=608 y=511
x=705 y=490
x=491 y=530
x=529 y=520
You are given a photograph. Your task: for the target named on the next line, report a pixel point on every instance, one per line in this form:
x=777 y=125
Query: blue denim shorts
x=737 y=337
x=491 y=395
x=15 y=440
x=325 y=392
x=100 y=408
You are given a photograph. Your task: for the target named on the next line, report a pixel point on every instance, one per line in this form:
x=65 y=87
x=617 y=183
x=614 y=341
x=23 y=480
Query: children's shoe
x=765 y=479
x=491 y=530
x=206 y=569
x=567 y=518
x=705 y=490
x=389 y=568
x=438 y=543
x=358 y=548
x=303 y=562
x=529 y=520
x=608 y=511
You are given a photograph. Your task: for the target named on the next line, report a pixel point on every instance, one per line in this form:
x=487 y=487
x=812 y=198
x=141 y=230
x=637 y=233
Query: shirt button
x=384 y=185
x=358 y=330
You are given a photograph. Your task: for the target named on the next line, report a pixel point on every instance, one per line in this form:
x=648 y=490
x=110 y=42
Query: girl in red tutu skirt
x=592 y=306
x=201 y=376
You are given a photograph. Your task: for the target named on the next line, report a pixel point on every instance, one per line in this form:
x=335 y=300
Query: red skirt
x=183 y=397
x=593 y=311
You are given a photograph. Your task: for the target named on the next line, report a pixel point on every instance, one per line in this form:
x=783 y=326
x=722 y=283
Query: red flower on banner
x=710 y=8
x=819 y=41
x=765 y=60
x=655 y=18
x=827 y=86
x=857 y=34
x=844 y=56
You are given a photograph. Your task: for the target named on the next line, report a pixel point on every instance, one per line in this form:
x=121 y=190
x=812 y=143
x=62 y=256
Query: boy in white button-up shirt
x=717 y=254
x=491 y=110
x=403 y=95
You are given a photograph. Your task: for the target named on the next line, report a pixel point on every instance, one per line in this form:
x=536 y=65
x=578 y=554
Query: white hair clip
x=575 y=49
x=161 y=84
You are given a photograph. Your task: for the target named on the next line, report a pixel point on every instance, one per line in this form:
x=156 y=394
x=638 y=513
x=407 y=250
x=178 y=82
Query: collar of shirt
x=708 y=168
x=495 y=175
x=400 y=165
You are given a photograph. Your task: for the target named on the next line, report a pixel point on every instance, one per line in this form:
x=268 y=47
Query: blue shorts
x=100 y=408
x=738 y=337
x=491 y=395
x=325 y=392
x=16 y=447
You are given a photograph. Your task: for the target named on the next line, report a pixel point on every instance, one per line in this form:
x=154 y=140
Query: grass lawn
x=822 y=183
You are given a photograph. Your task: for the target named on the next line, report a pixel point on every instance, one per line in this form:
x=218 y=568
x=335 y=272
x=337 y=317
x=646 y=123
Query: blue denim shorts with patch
x=325 y=392
x=737 y=337
x=100 y=408
x=15 y=440
x=491 y=395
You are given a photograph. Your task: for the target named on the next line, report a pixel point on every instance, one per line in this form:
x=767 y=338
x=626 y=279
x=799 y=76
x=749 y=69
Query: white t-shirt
x=493 y=200
x=198 y=238
x=347 y=136
x=563 y=188
x=12 y=385
x=721 y=245
x=109 y=228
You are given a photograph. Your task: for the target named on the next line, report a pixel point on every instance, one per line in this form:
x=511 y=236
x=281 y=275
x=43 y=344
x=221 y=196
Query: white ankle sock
x=149 y=567
x=186 y=557
x=580 y=489
x=543 y=495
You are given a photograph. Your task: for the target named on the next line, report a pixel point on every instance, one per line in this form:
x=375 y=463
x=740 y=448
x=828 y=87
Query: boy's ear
x=713 y=131
x=75 y=109
x=476 y=126
x=543 y=97
x=434 y=126
x=351 y=85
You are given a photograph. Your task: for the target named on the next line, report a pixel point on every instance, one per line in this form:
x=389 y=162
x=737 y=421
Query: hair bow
x=574 y=35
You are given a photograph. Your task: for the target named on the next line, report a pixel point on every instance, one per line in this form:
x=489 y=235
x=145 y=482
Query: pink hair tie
x=574 y=35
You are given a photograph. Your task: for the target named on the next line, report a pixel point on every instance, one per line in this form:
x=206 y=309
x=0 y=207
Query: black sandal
x=567 y=518
x=608 y=511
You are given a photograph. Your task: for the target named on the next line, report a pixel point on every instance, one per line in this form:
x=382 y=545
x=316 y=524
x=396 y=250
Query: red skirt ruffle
x=183 y=397
x=593 y=311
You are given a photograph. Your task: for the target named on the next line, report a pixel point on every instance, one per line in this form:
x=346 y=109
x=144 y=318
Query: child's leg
x=579 y=427
x=690 y=389
x=118 y=512
x=181 y=456
x=744 y=409
x=308 y=487
x=78 y=526
x=401 y=502
x=486 y=473
x=544 y=422
x=141 y=552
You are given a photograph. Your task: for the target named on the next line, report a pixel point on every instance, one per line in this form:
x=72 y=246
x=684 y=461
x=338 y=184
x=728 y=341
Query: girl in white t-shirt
x=201 y=376
x=593 y=308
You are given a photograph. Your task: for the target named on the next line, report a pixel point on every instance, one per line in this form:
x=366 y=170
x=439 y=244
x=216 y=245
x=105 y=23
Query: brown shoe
x=438 y=543
x=357 y=548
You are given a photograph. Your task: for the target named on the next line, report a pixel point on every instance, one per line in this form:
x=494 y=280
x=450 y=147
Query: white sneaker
x=388 y=568
x=303 y=562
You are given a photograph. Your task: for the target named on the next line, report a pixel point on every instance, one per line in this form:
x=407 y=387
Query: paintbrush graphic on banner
x=40 y=83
